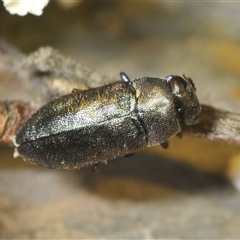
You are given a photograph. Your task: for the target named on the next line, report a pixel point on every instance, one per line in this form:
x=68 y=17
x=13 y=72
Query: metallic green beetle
x=115 y=120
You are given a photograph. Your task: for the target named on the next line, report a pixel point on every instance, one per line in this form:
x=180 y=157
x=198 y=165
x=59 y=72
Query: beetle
x=103 y=123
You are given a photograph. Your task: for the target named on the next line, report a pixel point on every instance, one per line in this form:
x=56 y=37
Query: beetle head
x=185 y=99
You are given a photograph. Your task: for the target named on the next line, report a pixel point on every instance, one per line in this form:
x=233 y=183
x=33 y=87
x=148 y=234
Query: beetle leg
x=75 y=90
x=129 y=155
x=165 y=145
x=179 y=134
x=95 y=167
x=127 y=80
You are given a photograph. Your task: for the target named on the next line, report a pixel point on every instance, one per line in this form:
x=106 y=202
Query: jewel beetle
x=103 y=123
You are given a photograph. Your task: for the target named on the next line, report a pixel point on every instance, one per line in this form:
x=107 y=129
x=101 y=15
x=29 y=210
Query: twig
x=217 y=125
x=12 y=114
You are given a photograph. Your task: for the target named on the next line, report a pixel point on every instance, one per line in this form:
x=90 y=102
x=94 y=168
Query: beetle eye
x=178 y=83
